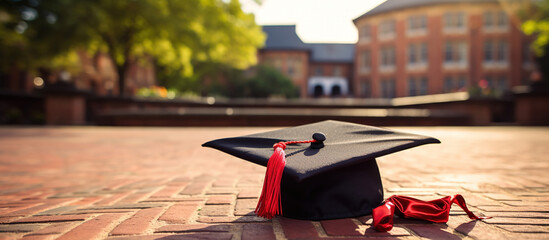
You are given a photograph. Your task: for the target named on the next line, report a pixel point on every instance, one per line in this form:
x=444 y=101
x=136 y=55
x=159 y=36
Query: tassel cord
x=269 y=204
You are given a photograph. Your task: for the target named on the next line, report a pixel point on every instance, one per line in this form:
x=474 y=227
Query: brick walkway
x=158 y=183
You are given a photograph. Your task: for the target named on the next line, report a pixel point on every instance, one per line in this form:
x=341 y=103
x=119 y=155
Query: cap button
x=320 y=138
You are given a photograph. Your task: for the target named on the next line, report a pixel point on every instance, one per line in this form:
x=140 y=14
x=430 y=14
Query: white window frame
x=387 y=65
x=497 y=18
x=387 y=30
x=365 y=61
x=365 y=34
x=417 y=84
x=459 y=48
x=500 y=57
x=416 y=25
x=453 y=27
x=422 y=60
x=387 y=84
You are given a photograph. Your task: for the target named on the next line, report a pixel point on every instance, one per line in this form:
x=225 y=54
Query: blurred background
x=271 y=63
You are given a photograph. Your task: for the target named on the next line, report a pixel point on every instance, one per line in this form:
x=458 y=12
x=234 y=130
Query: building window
x=319 y=71
x=291 y=70
x=300 y=68
x=388 y=88
x=495 y=54
x=267 y=61
x=527 y=56
x=488 y=19
x=274 y=62
x=455 y=83
x=365 y=33
x=365 y=61
x=277 y=63
x=337 y=71
x=365 y=88
x=294 y=67
x=417 y=86
x=455 y=55
x=417 y=25
x=387 y=59
x=387 y=30
x=417 y=56
x=454 y=22
x=495 y=21
x=498 y=82
x=291 y=67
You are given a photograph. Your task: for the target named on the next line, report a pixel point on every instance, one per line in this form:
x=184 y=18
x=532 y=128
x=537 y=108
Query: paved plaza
x=159 y=183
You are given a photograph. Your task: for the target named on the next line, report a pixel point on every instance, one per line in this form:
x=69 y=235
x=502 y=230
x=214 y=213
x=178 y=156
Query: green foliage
x=270 y=82
x=266 y=82
x=31 y=35
x=178 y=34
x=156 y=92
x=541 y=30
x=537 y=23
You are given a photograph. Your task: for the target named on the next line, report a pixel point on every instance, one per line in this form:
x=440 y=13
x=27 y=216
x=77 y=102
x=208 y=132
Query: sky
x=315 y=20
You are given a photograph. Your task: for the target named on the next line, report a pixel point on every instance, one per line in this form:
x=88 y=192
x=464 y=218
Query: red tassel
x=269 y=204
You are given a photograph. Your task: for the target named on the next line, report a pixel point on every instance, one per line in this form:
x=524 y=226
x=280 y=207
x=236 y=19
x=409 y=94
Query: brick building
x=419 y=47
x=318 y=69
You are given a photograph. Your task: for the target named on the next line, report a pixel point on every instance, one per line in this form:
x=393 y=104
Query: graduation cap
x=333 y=175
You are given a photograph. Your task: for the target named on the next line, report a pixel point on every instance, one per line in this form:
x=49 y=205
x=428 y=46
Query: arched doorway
x=318 y=91
x=336 y=91
x=322 y=86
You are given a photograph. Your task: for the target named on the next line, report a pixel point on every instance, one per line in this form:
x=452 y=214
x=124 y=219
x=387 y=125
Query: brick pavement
x=158 y=183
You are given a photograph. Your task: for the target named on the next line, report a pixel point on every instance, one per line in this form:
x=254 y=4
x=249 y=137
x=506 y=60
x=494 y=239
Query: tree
x=535 y=17
x=536 y=22
x=265 y=82
x=31 y=37
x=177 y=34
x=270 y=82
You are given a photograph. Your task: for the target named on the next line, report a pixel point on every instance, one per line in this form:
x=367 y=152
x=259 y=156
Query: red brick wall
x=373 y=47
x=307 y=68
x=435 y=42
x=435 y=38
x=328 y=69
x=284 y=57
x=64 y=109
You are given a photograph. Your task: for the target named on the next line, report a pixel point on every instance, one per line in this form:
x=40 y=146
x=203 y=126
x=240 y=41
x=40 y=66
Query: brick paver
x=158 y=183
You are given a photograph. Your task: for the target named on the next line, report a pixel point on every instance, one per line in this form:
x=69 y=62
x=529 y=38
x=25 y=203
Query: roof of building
x=284 y=37
x=392 y=5
x=332 y=52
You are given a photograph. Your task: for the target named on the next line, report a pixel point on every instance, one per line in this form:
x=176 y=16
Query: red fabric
x=436 y=211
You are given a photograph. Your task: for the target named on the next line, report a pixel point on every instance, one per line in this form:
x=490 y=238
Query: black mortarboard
x=337 y=180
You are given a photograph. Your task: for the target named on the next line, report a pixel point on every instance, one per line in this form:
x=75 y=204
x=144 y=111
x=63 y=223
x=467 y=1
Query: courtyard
x=159 y=183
